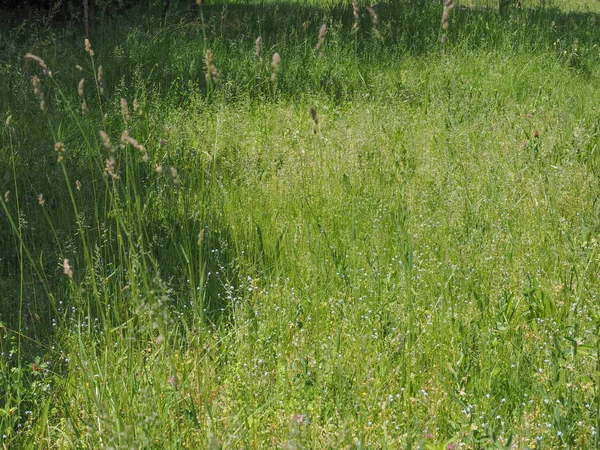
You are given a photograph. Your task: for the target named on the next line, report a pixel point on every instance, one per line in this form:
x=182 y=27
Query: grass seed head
x=125 y=110
x=175 y=177
x=42 y=64
x=67 y=269
x=37 y=90
x=6 y=196
x=100 y=80
x=322 y=33
x=257 y=48
x=355 y=12
x=88 y=47
x=109 y=168
x=275 y=65
x=80 y=88
x=212 y=74
x=375 y=21
x=106 y=141
x=78 y=185
x=41 y=200
x=59 y=148
x=37 y=86
x=445 y=15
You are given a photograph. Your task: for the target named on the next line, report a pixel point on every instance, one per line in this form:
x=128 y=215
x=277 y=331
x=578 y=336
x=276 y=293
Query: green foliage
x=387 y=243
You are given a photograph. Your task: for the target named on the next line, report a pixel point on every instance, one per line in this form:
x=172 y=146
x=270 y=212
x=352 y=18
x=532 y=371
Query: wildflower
x=158 y=169
x=451 y=446
x=67 y=270
x=78 y=185
x=275 y=65
x=78 y=67
x=41 y=200
x=322 y=33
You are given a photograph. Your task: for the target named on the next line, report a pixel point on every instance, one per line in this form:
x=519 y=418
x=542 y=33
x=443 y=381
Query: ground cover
x=376 y=242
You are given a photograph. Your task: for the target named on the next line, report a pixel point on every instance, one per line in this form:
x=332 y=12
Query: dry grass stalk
x=445 y=15
x=355 y=12
x=275 y=65
x=212 y=73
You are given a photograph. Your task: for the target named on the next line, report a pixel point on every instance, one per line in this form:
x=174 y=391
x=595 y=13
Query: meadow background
x=384 y=242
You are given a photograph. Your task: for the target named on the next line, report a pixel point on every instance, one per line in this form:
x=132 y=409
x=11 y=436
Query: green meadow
x=351 y=237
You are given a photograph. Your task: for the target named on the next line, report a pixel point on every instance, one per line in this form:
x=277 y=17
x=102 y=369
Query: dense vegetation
x=340 y=237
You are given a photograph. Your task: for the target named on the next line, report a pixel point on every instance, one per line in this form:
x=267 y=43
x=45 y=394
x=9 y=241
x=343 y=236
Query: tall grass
x=364 y=241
